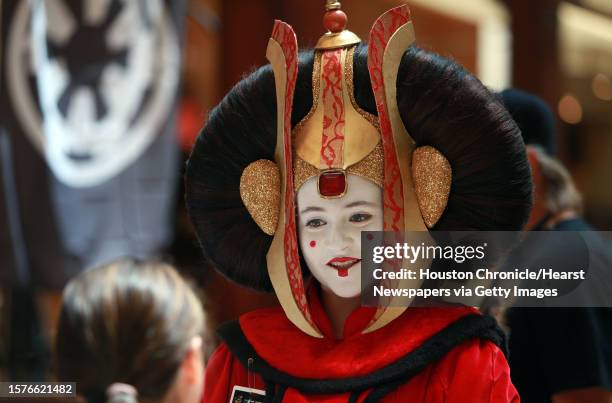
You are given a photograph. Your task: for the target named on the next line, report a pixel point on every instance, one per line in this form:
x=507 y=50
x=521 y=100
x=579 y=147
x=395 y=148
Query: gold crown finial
x=332 y=5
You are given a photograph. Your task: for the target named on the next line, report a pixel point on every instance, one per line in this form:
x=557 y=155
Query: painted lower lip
x=342 y=272
x=342 y=259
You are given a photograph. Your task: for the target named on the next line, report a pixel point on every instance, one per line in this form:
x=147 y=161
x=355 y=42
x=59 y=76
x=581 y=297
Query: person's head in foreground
x=131 y=332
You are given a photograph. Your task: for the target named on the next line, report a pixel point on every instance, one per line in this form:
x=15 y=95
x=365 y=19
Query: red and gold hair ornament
x=337 y=138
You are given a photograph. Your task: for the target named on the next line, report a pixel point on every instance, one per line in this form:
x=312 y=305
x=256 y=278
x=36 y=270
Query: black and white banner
x=89 y=96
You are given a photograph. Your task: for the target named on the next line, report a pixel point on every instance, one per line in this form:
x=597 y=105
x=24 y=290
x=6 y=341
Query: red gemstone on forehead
x=332 y=183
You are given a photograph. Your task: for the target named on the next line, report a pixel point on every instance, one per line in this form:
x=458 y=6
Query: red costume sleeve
x=477 y=372
x=218 y=372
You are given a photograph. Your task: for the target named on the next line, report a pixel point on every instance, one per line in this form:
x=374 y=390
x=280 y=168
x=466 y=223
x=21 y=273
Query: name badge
x=242 y=394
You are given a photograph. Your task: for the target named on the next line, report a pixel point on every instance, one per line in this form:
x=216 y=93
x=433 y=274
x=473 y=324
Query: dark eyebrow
x=360 y=203
x=309 y=209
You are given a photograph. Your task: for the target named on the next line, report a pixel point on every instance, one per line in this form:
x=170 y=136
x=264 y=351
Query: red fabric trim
x=332 y=141
x=287 y=348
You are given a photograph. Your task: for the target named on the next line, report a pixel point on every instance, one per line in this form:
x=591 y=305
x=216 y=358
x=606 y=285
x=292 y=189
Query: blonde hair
x=128 y=322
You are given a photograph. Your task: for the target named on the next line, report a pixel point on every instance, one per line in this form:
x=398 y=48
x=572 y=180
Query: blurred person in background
x=131 y=332
x=557 y=202
x=558 y=355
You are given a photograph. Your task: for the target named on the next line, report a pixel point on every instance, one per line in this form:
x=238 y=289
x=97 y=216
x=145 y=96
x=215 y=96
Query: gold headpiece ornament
x=337 y=138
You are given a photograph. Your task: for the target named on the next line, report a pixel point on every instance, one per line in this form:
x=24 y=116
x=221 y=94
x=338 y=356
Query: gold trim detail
x=349 y=79
x=309 y=149
x=341 y=39
x=361 y=128
x=332 y=5
x=370 y=168
x=260 y=192
x=432 y=176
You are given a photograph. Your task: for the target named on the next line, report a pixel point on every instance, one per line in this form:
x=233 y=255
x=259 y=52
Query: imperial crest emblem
x=92 y=82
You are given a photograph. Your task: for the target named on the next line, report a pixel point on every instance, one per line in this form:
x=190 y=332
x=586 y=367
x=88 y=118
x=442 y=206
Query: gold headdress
x=337 y=138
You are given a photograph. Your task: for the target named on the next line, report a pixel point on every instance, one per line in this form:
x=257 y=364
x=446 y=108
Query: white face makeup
x=330 y=232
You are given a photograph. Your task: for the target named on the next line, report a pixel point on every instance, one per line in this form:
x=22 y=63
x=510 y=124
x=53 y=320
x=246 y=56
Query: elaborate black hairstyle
x=441 y=105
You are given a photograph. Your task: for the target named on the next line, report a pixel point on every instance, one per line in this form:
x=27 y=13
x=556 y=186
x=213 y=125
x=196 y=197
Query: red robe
x=474 y=371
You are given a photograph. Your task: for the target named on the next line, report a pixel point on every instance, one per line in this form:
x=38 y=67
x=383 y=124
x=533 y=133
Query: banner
x=88 y=114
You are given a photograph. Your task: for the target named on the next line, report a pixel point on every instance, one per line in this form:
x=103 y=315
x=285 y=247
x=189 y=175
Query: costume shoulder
x=218 y=372
x=223 y=373
x=484 y=374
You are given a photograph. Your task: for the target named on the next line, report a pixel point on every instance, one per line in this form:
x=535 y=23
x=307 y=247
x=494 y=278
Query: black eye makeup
x=315 y=223
x=360 y=217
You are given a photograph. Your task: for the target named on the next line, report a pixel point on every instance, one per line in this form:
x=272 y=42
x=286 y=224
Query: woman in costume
x=302 y=156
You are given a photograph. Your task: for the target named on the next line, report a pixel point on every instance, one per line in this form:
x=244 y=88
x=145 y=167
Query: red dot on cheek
x=313 y=244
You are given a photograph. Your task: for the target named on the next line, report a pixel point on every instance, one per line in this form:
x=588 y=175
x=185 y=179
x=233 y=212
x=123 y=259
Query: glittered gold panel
x=371 y=168
x=260 y=193
x=302 y=171
x=432 y=175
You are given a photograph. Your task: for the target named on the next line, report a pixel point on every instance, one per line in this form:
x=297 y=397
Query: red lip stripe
x=342 y=259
